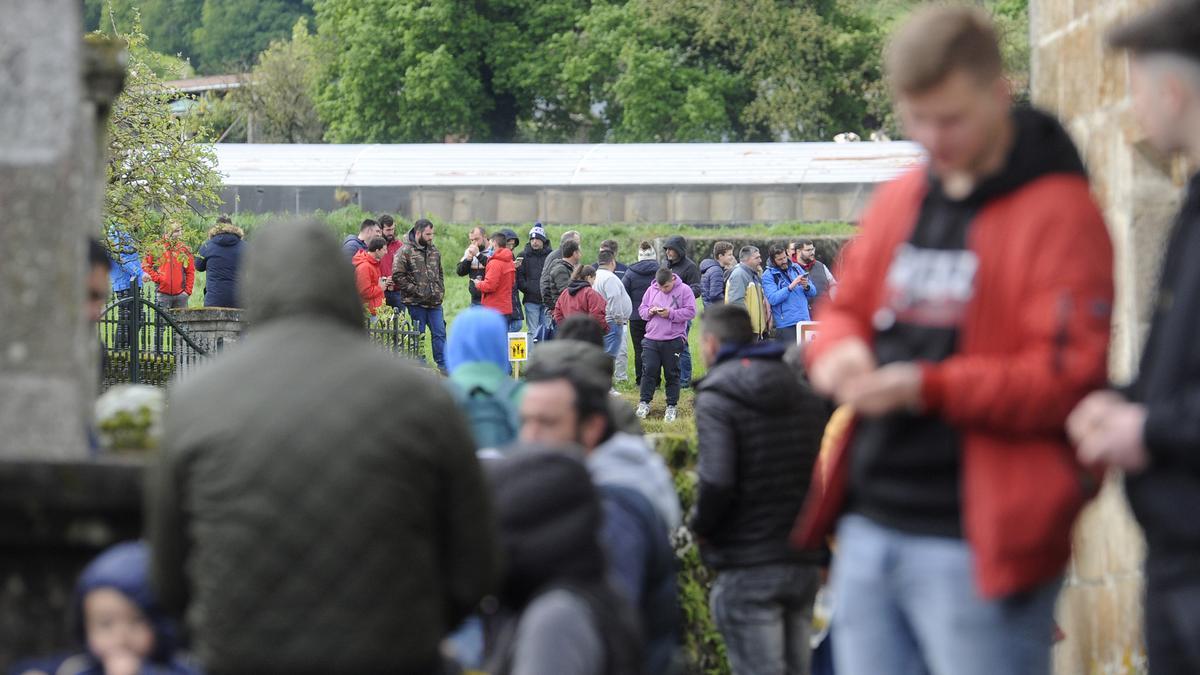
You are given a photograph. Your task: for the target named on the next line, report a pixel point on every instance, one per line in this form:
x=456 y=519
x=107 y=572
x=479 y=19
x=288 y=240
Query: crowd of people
x=527 y=527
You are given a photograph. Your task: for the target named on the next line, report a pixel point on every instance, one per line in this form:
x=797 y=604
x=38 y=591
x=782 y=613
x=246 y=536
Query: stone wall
x=1088 y=86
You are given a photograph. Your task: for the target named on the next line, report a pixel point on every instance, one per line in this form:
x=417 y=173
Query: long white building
x=705 y=183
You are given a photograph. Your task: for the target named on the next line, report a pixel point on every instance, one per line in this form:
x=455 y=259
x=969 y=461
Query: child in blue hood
x=120 y=623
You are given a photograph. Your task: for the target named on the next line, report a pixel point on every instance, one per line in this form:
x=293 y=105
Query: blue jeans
x=433 y=318
x=907 y=604
x=535 y=317
x=612 y=339
x=764 y=615
x=685 y=359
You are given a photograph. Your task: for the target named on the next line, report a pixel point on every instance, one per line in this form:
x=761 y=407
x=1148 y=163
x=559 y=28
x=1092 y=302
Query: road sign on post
x=518 y=351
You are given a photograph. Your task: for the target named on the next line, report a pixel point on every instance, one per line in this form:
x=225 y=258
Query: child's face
x=116 y=626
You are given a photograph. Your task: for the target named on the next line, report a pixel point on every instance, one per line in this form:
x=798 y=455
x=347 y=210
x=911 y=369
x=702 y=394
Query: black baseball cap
x=1173 y=27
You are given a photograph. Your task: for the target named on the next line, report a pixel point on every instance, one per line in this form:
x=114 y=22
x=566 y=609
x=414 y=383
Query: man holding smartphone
x=788 y=290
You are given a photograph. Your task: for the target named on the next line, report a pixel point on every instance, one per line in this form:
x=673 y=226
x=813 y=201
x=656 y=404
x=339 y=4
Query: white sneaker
x=643 y=409
x=669 y=416
x=614 y=393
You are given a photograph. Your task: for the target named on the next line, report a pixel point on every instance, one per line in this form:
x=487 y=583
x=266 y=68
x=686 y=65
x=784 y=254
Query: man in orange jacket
x=973 y=314
x=172 y=274
x=368 y=278
x=499 y=277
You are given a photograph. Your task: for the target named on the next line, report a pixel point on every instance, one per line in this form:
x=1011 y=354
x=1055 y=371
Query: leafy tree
x=168 y=23
x=275 y=97
x=401 y=70
x=232 y=32
x=155 y=174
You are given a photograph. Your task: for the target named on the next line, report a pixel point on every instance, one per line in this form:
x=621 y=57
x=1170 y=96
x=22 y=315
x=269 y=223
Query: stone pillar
x=1075 y=76
x=213 y=329
x=49 y=204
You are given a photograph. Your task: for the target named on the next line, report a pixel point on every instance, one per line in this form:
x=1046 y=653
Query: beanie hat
x=538 y=232
x=646 y=254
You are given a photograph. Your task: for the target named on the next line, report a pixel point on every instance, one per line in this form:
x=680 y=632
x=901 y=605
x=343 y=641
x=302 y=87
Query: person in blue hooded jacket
x=477 y=360
x=119 y=621
x=126 y=275
x=220 y=258
x=788 y=290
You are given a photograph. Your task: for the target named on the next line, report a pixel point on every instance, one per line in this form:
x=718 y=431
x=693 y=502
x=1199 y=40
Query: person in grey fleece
x=747 y=271
x=567 y=403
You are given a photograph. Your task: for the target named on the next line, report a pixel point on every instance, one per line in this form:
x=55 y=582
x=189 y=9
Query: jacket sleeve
x=1063 y=327
x=547 y=284
x=623 y=306
x=735 y=290
x=693 y=280
x=491 y=278
x=811 y=291
x=402 y=275
x=557 y=313
x=189 y=273
x=363 y=282
x=463 y=268
x=716 y=430
x=625 y=544
x=775 y=288
x=644 y=308
x=685 y=311
x=1173 y=426
x=167 y=526
x=599 y=308
x=151 y=269
x=201 y=260
x=132 y=266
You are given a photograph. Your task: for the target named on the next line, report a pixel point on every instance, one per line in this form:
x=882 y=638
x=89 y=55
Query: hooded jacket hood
x=625 y=460
x=364 y=258
x=126 y=568
x=234 y=232
x=1041 y=147
x=678 y=244
x=770 y=387
x=478 y=334
x=549 y=518
x=707 y=264
x=577 y=285
x=272 y=290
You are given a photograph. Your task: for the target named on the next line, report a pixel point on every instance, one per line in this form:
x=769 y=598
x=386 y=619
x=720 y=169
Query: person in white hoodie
x=618 y=305
x=566 y=403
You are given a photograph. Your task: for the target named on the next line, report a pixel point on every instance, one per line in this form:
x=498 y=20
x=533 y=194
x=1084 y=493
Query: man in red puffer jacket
x=499 y=278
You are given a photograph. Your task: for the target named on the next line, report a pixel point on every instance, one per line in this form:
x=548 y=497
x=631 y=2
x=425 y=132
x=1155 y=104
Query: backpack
x=493 y=417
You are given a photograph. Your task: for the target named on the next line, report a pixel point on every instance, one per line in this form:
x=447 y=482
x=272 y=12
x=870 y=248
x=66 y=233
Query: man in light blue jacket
x=126 y=275
x=788 y=290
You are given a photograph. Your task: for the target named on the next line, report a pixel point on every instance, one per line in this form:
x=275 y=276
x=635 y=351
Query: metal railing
x=142 y=344
x=395 y=332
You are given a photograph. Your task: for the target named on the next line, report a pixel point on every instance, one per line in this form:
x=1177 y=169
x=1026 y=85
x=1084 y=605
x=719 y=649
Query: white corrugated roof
x=563 y=165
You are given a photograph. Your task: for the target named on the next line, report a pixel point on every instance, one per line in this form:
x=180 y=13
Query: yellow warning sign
x=518 y=346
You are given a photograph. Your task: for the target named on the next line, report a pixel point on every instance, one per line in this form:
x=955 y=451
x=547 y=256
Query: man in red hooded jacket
x=499 y=277
x=973 y=315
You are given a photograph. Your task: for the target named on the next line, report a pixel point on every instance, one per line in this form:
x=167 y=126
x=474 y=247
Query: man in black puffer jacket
x=759 y=426
x=637 y=281
x=529 y=279
x=675 y=249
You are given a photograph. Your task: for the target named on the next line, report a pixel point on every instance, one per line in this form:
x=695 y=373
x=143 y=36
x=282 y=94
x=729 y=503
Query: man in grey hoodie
x=568 y=404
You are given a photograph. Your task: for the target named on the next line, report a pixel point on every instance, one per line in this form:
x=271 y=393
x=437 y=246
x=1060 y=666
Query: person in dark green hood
x=318 y=506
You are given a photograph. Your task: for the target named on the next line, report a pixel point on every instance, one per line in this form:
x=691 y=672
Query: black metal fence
x=395 y=332
x=142 y=344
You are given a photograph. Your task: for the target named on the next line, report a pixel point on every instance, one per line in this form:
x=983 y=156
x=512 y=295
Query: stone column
x=213 y=329
x=49 y=194
x=1087 y=85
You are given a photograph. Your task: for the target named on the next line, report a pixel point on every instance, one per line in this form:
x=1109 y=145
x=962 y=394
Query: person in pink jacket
x=667 y=307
